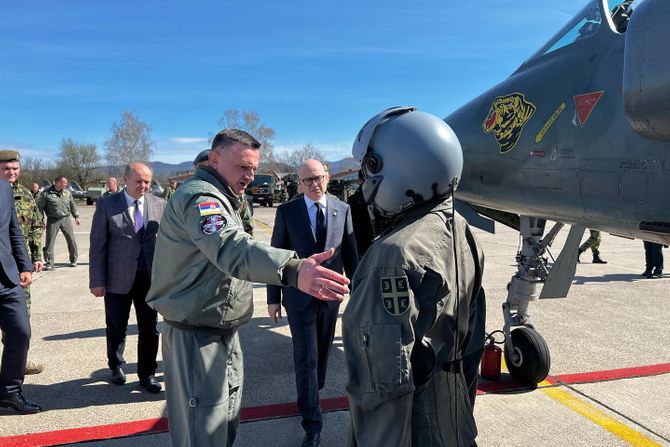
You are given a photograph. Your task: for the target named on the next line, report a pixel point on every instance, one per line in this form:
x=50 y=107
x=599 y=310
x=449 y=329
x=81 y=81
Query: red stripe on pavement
x=69 y=436
x=152 y=426
x=250 y=414
x=612 y=374
x=289 y=409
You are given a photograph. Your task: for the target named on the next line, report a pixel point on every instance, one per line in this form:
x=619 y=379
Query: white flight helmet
x=407 y=157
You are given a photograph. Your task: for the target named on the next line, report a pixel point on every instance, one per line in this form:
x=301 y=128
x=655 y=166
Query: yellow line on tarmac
x=595 y=415
x=258 y=223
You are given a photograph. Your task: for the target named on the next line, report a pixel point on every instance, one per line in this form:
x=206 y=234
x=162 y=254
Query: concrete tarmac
x=610 y=363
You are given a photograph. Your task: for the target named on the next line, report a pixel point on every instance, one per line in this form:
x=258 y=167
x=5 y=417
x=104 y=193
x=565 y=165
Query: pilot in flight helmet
x=407 y=157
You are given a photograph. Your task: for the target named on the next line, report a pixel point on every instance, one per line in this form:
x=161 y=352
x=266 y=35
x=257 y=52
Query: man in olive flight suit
x=413 y=328
x=205 y=293
x=30 y=221
x=245 y=211
x=58 y=204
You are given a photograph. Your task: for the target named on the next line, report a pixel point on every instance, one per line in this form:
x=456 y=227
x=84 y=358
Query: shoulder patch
x=395 y=294
x=213 y=223
x=209 y=208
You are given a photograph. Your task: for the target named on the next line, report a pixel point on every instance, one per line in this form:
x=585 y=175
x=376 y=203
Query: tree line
x=130 y=141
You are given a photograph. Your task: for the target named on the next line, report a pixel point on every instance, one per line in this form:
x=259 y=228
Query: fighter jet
x=579 y=135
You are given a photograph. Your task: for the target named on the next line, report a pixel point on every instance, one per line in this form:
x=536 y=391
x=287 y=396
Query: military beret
x=9 y=155
x=202 y=156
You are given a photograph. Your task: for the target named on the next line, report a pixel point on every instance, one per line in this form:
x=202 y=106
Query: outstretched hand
x=320 y=282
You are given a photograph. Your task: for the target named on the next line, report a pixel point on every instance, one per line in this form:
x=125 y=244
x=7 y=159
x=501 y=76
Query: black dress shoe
x=18 y=402
x=657 y=272
x=311 y=440
x=151 y=384
x=118 y=376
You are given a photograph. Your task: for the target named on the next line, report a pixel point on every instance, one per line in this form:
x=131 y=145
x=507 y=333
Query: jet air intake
x=646 y=77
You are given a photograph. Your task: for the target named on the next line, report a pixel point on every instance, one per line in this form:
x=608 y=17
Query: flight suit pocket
x=385 y=357
x=218 y=374
x=208 y=374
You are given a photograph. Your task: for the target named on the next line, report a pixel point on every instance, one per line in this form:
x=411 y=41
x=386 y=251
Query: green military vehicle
x=262 y=189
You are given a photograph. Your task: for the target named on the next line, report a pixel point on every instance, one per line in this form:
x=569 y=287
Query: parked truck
x=262 y=189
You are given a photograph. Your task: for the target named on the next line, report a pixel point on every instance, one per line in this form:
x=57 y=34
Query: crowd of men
x=413 y=329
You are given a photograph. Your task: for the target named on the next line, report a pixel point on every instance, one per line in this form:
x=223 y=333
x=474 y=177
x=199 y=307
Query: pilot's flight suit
x=414 y=290
x=202 y=288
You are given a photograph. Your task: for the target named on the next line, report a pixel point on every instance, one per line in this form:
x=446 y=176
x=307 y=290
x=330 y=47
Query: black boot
x=598 y=260
x=19 y=403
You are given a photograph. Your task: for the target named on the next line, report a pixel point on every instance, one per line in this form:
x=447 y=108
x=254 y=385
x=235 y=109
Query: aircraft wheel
x=529 y=363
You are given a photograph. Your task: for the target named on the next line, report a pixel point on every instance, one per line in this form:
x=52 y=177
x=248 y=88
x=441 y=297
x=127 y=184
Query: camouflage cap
x=9 y=155
x=202 y=156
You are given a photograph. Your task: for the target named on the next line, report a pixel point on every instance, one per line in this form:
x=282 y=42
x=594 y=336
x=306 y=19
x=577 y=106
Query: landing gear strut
x=526 y=352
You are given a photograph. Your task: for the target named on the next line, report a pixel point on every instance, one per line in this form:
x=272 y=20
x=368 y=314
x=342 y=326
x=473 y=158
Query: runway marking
x=507 y=384
x=284 y=410
x=262 y=225
x=550 y=387
x=598 y=416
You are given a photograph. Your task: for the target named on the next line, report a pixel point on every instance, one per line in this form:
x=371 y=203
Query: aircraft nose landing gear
x=528 y=361
x=526 y=352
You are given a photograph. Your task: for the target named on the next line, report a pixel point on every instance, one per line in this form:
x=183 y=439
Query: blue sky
x=315 y=71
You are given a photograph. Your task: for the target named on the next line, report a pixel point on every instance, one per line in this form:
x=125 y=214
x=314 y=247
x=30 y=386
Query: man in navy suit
x=123 y=238
x=15 y=273
x=309 y=225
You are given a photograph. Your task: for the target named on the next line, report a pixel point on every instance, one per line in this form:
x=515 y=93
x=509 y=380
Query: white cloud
x=189 y=140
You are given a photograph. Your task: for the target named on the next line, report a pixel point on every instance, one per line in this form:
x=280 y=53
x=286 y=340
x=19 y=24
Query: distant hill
x=161 y=168
x=346 y=164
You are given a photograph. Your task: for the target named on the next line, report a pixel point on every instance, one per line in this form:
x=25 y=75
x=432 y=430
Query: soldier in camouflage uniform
x=170 y=190
x=593 y=242
x=247 y=215
x=30 y=220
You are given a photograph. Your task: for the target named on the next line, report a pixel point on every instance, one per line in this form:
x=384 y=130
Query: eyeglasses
x=311 y=180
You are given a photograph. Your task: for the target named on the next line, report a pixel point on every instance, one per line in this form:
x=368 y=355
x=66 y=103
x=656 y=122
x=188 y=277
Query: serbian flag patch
x=209 y=208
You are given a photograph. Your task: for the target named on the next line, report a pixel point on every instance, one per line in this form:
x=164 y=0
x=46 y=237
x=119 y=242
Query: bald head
x=137 y=179
x=313 y=179
x=112 y=184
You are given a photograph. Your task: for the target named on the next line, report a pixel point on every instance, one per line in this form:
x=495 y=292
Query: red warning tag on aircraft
x=585 y=103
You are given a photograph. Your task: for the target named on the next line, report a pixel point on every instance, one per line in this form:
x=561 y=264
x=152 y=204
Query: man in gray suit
x=311 y=225
x=123 y=238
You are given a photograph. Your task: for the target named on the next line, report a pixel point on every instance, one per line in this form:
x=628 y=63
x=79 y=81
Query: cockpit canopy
x=612 y=15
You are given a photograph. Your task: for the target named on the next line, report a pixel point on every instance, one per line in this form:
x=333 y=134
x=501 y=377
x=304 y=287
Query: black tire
x=89 y=201
x=270 y=203
x=530 y=363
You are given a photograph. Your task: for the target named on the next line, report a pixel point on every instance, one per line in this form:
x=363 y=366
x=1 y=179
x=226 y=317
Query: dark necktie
x=139 y=220
x=320 y=227
x=139 y=229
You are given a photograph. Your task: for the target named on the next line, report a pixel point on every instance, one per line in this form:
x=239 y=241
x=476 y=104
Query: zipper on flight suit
x=365 y=340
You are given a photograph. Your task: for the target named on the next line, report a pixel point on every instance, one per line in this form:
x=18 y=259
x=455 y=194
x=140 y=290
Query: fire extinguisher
x=491 y=358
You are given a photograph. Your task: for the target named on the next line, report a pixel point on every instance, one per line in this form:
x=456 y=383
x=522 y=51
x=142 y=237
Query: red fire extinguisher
x=491 y=359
